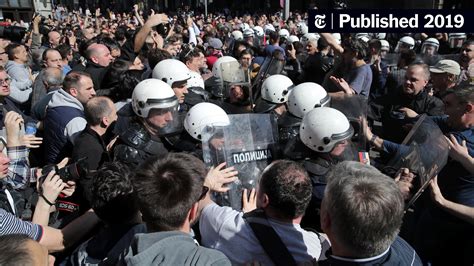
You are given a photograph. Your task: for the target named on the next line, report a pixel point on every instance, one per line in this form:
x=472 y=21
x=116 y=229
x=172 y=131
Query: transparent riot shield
x=424 y=152
x=270 y=66
x=233 y=74
x=249 y=144
x=354 y=107
x=392 y=59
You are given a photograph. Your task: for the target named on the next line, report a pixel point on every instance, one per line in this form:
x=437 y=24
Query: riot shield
x=270 y=66
x=234 y=75
x=249 y=144
x=354 y=107
x=391 y=59
x=424 y=152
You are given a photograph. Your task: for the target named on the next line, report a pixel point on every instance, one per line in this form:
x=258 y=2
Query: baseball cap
x=446 y=66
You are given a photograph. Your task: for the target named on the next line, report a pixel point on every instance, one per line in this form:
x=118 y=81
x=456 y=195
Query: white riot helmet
x=322 y=128
x=202 y=115
x=363 y=37
x=385 y=45
x=430 y=46
x=216 y=68
x=171 y=71
x=244 y=27
x=405 y=43
x=380 y=36
x=237 y=35
x=293 y=39
x=258 y=31
x=308 y=37
x=195 y=80
x=248 y=33
x=337 y=36
x=152 y=94
x=267 y=28
x=284 y=33
x=276 y=88
x=302 y=28
x=456 y=39
x=305 y=97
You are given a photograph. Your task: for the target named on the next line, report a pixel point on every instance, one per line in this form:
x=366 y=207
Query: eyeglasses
x=204 y=192
x=6 y=81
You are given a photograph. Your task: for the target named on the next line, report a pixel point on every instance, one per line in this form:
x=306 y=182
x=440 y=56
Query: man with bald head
x=100 y=113
x=52 y=80
x=98 y=59
x=51 y=59
x=54 y=38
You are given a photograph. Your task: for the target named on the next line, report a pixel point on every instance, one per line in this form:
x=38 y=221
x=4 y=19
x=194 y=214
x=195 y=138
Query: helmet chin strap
x=150 y=127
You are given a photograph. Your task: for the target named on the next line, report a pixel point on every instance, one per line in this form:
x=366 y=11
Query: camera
x=71 y=172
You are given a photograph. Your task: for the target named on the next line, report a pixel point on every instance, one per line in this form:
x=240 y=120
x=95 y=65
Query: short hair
x=53 y=76
x=409 y=56
x=112 y=195
x=424 y=67
x=10 y=50
x=358 y=46
x=246 y=52
x=14 y=250
x=468 y=42
x=365 y=208
x=64 y=50
x=188 y=54
x=322 y=44
x=464 y=93
x=288 y=188
x=167 y=188
x=45 y=53
x=72 y=79
x=109 y=42
x=157 y=55
x=96 y=108
x=121 y=33
x=274 y=36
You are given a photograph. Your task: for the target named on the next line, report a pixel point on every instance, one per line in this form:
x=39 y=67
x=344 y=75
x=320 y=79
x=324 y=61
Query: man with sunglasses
x=168 y=192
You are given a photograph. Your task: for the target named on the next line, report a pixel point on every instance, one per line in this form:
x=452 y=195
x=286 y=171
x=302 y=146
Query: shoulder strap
x=268 y=238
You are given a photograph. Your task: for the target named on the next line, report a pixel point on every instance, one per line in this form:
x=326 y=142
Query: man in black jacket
x=396 y=109
x=99 y=59
x=100 y=114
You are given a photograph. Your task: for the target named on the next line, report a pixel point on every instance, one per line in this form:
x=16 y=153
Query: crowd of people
x=116 y=128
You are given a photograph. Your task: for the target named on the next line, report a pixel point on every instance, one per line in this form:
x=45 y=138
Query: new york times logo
x=320 y=21
x=423 y=20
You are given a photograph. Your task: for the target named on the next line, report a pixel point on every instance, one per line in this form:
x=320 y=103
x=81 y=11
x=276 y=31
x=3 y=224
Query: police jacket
x=63 y=122
x=318 y=168
x=136 y=144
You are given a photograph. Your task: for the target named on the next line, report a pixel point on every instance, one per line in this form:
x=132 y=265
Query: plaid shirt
x=19 y=172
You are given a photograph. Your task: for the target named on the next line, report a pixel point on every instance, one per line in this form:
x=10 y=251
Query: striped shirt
x=9 y=224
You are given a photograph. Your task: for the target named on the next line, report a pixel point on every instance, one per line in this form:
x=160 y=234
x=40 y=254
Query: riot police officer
x=155 y=106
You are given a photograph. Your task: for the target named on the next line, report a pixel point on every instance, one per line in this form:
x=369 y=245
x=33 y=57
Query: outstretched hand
x=217 y=178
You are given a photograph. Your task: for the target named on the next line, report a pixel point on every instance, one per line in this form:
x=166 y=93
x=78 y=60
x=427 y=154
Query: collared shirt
x=19 y=172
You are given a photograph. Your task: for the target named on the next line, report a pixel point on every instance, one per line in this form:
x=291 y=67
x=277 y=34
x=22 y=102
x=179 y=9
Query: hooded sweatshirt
x=171 y=248
x=21 y=86
x=63 y=122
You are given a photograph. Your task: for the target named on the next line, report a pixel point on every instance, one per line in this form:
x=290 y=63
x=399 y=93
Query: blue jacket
x=63 y=122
